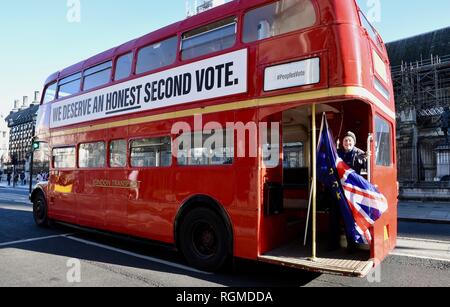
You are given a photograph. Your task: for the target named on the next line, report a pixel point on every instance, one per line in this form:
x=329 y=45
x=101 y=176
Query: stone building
x=4 y=143
x=421 y=75
x=21 y=122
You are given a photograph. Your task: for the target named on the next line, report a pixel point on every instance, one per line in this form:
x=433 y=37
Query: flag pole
x=314 y=184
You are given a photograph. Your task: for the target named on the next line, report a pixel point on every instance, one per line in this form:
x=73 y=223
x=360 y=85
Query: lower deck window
x=216 y=148
x=154 y=152
x=118 y=154
x=293 y=155
x=92 y=155
x=64 y=157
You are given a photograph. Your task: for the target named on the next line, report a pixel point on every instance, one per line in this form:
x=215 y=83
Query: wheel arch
x=36 y=191
x=204 y=201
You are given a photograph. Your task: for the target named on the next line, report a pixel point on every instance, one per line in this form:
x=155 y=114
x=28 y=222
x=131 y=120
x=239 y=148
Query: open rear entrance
x=337 y=262
x=287 y=193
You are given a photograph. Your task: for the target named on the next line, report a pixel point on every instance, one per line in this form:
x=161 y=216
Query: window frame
x=89 y=168
x=302 y=156
x=242 y=25
x=52 y=162
x=127 y=147
x=379 y=43
x=391 y=142
x=45 y=93
x=237 y=21
x=133 y=53
x=130 y=148
x=138 y=50
x=67 y=82
x=86 y=74
x=212 y=165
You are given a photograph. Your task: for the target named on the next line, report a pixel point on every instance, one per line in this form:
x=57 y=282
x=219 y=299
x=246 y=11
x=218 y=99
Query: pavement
x=26 y=187
x=424 y=212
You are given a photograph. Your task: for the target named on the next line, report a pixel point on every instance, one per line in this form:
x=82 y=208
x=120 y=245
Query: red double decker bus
x=117 y=165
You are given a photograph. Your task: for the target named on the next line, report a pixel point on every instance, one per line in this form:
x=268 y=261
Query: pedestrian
x=8 y=178
x=16 y=179
x=39 y=177
x=22 y=178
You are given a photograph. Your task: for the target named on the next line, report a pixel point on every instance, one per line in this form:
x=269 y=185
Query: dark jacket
x=356 y=159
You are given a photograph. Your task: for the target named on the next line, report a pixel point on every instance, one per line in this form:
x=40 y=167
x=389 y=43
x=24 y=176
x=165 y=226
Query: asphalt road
x=30 y=256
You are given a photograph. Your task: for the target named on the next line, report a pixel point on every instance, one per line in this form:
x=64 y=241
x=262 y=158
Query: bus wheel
x=40 y=211
x=204 y=240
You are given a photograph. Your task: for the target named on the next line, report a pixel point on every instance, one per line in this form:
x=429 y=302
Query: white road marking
x=34 y=239
x=423 y=249
x=423 y=240
x=24 y=208
x=418 y=257
x=156 y=260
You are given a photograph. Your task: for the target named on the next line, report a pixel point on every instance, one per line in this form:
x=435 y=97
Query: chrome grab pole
x=369 y=157
x=314 y=184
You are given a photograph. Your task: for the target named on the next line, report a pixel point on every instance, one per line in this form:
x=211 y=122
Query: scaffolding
x=422 y=91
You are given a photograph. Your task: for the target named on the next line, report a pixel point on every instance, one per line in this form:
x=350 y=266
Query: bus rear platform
x=337 y=262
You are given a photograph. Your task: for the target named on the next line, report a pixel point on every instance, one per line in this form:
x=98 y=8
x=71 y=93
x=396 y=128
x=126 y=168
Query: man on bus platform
x=351 y=155
x=356 y=159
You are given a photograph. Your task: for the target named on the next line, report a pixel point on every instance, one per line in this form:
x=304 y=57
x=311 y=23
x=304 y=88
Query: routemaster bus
x=114 y=128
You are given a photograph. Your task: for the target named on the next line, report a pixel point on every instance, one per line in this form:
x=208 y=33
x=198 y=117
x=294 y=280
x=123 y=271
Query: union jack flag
x=360 y=202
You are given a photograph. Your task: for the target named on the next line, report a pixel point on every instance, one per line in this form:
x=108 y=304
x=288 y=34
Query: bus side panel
x=385 y=230
x=61 y=198
x=117 y=199
x=246 y=209
x=90 y=185
x=149 y=211
x=151 y=203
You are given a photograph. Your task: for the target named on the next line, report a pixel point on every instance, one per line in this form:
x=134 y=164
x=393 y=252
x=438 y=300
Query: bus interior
x=287 y=194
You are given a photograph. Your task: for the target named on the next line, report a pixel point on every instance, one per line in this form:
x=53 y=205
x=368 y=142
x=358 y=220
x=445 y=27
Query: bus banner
x=211 y=78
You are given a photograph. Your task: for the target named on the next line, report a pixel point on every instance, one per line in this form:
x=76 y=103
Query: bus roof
x=156 y=35
x=225 y=10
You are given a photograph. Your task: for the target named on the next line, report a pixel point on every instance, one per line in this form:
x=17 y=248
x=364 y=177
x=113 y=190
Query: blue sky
x=37 y=39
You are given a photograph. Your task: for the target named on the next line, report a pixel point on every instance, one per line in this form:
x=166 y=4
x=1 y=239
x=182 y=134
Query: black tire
x=204 y=240
x=40 y=211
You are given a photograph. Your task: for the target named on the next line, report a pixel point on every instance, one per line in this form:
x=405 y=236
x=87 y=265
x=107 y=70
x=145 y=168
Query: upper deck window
x=157 y=55
x=69 y=86
x=278 y=18
x=209 y=39
x=97 y=76
x=370 y=30
x=123 y=66
x=50 y=93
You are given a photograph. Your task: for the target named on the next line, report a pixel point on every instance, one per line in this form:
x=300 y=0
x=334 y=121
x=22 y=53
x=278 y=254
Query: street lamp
x=34 y=147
